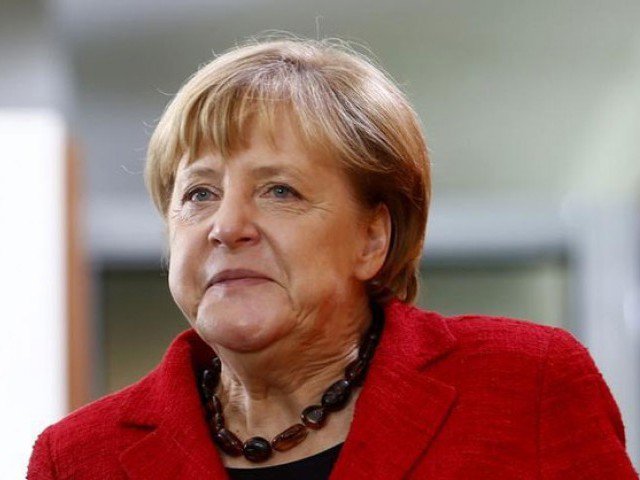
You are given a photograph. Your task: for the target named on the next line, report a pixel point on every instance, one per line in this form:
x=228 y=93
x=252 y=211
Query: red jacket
x=468 y=397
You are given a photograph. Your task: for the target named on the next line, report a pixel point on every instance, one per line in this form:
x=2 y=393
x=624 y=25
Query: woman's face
x=268 y=242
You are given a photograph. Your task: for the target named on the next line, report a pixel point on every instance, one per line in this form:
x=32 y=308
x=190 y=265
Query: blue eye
x=199 y=195
x=283 y=191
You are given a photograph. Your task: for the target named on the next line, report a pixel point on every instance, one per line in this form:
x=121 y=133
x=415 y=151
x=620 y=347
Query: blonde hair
x=338 y=101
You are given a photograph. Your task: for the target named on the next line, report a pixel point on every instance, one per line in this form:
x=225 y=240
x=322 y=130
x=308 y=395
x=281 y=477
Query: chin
x=243 y=326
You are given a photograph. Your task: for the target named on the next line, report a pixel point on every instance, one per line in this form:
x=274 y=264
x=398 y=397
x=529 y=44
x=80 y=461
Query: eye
x=283 y=191
x=199 y=194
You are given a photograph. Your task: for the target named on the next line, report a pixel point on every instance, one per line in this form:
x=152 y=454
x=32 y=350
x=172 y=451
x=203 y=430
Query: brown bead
x=291 y=437
x=377 y=320
x=368 y=346
x=217 y=422
x=314 y=416
x=228 y=442
x=216 y=364
x=214 y=405
x=257 y=449
x=336 y=396
x=354 y=373
x=209 y=382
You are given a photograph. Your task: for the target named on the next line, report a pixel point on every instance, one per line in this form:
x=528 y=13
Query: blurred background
x=531 y=111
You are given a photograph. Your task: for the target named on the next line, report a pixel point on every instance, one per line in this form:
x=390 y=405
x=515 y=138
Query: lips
x=236 y=274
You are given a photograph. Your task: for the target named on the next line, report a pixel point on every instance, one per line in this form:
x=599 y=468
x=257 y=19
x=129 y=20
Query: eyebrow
x=274 y=170
x=258 y=173
x=198 y=171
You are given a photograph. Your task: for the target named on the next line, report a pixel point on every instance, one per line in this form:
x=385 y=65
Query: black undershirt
x=315 y=467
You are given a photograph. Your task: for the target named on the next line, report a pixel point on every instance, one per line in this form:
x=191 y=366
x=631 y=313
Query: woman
x=294 y=181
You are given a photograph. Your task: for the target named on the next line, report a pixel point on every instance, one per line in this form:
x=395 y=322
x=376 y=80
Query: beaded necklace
x=335 y=398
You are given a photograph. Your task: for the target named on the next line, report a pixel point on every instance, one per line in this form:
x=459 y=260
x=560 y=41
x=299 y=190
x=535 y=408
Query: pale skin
x=290 y=215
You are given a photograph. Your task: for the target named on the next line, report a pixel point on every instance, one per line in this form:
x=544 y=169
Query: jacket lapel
x=158 y=456
x=401 y=408
x=166 y=409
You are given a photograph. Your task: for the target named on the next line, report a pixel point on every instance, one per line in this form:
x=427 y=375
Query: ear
x=377 y=238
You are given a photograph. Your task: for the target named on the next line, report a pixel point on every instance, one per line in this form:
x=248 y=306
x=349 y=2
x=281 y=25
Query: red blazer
x=468 y=397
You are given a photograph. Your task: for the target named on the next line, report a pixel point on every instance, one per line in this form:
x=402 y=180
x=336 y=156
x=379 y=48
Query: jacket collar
x=401 y=408
x=167 y=405
x=398 y=412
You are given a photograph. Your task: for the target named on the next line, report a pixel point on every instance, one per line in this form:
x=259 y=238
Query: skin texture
x=289 y=214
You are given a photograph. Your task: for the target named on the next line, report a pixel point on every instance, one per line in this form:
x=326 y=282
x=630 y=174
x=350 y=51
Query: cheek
x=183 y=273
x=178 y=284
x=340 y=242
x=326 y=256
x=176 y=272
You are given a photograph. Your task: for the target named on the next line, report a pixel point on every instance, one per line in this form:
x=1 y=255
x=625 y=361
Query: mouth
x=237 y=278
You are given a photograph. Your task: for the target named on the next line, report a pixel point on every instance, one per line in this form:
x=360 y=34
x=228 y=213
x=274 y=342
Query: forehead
x=264 y=150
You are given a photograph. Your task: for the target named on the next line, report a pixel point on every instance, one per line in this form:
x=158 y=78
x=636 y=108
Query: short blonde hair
x=338 y=101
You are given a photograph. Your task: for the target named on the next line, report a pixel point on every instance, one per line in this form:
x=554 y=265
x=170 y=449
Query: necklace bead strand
x=313 y=417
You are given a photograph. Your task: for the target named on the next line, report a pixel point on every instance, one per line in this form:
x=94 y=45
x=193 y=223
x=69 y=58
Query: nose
x=233 y=223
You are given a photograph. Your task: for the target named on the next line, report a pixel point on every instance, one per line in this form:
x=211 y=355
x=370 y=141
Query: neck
x=264 y=392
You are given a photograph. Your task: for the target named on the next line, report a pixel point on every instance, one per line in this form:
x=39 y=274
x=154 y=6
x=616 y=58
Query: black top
x=315 y=467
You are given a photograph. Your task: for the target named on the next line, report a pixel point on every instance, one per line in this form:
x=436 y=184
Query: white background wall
x=33 y=345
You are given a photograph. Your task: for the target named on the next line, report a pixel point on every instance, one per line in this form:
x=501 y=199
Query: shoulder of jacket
x=498 y=333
